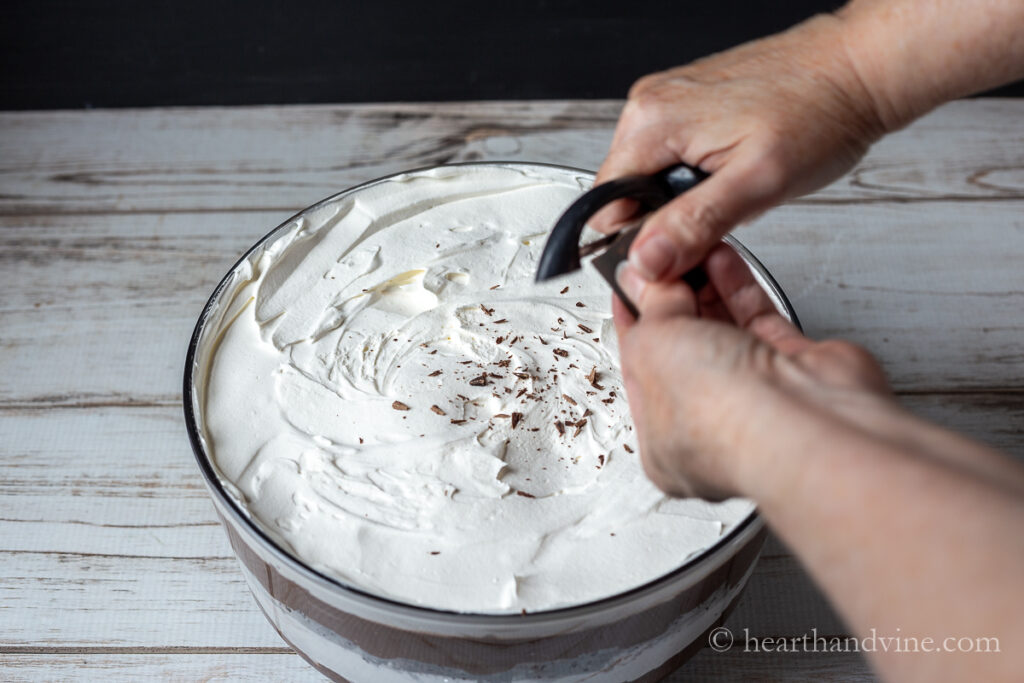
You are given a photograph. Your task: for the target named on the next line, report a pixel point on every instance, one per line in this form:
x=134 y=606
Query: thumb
x=680 y=234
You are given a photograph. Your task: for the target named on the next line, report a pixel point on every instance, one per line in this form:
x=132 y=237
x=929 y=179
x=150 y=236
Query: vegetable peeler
x=562 y=252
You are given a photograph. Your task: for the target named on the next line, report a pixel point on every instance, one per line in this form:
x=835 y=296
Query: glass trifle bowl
x=425 y=462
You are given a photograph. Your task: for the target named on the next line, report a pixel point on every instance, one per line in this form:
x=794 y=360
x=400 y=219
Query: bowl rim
x=747 y=527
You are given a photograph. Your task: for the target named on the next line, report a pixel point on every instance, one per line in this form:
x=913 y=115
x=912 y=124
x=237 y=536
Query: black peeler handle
x=561 y=254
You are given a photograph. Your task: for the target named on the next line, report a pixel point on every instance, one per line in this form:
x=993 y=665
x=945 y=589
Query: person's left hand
x=718 y=378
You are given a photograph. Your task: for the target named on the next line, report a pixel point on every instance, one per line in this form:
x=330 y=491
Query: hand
x=769 y=120
x=712 y=377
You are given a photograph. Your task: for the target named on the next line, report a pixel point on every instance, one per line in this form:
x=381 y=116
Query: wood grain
x=730 y=666
x=109 y=536
x=116 y=225
x=104 y=516
x=284 y=158
x=94 y=290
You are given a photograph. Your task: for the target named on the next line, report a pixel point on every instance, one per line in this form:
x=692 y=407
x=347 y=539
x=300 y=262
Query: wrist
x=792 y=433
x=866 y=39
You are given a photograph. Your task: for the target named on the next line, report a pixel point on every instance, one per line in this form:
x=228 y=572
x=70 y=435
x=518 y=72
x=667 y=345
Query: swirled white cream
x=393 y=398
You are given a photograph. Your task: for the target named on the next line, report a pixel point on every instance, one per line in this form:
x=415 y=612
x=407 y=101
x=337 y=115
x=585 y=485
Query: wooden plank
x=92 y=600
x=90 y=292
x=273 y=666
x=741 y=667
x=284 y=158
x=146 y=666
x=934 y=290
x=107 y=539
x=107 y=536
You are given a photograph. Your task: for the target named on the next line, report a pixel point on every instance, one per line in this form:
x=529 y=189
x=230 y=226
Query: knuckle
x=640 y=110
x=695 y=223
x=642 y=85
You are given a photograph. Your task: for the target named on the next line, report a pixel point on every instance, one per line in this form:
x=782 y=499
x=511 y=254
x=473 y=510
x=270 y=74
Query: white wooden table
x=116 y=225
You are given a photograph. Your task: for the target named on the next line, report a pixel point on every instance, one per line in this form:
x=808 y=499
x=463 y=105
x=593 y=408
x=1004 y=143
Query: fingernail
x=653 y=257
x=631 y=283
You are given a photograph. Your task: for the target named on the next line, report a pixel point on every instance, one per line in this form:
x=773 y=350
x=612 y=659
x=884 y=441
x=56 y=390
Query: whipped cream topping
x=385 y=389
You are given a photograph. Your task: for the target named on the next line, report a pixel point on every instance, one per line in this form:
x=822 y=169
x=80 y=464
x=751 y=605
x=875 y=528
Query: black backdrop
x=116 y=53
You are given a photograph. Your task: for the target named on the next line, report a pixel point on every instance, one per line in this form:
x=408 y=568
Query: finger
x=611 y=217
x=680 y=234
x=657 y=300
x=748 y=304
x=621 y=316
x=711 y=307
x=640 y=153
x=640 y=150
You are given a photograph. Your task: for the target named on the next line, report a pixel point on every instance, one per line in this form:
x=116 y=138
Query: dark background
x=119 y=53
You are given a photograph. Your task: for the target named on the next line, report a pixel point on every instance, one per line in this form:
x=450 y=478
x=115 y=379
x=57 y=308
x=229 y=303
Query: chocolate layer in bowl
x=414 y=491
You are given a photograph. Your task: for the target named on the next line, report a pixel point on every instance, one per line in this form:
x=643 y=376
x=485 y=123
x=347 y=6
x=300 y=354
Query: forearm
x=913 y=55
x=909 y=542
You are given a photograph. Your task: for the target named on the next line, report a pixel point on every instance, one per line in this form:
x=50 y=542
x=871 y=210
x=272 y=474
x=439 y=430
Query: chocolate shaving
x=522 y=375
x=569 y=399
x=542 y=342
x=560 y=427
x=495 y=286
x=465 y=362
x=627 y=448
x=435 y=373
x=503 y=320
x=514 y=339
x=524 y=494
x=587 y=413
x=505 y=415
x=499 y=340
x=398 y=405
x=438 y=410
x=504 y=363
x=609 y=401
x=579 y=427
x=561 y=352
x=464 y=398
x=360 y=439
x=486 y=310
x=585 y=328
x=516 y=418
x=495 y=376
x=435 y=552
x=480 y=381
x=600 y=461
x=580 y=304
x=456 y=422
x=521 y=392
x=433 y=352
x=564 y=290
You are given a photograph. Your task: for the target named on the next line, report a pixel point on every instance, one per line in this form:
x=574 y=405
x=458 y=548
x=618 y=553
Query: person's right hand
x=770 y=120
